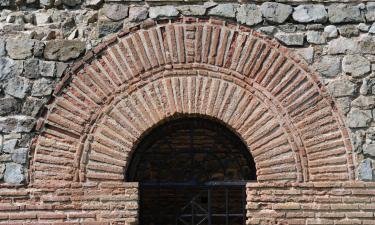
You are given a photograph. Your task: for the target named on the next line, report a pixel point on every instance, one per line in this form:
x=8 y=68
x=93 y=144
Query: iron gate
x=213 y=203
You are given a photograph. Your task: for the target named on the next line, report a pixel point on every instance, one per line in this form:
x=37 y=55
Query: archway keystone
x=189 y=66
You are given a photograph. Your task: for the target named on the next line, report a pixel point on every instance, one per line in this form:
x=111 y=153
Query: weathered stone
x=356 y=65
x=17 y=87
x=225 y=10
x=9 y=68
x=315 y=26
x=370 y=12
x=291 y=39
x=306 y=53
x=341 y=88
x=108 y=27
x=369 y=149
x=2 y=170
x=163 y=11
x=349 y=31
x=291 y=28
x=71 y=3
x=9 y=145
x=359 y=118
x=16 y=124
x=20 y=48
x=13 y=173
x=276 y=12
x=344 y=13
x=343 y=104
x=358 y=138
x=32 y=106
x=63 y=50
x=38 y=48
x=365 y=87
x=60 y=68
x=310 y=13
x=365 y=170
x=367 y=45
x=32 y=68
x=42 y=18
x=20 y=155
x=42 y=87
x=5 y=3
x=364 y=102
x=138 y=14
x=363 y=27
x=2 y=47
x=47 y=68
x=343 y=45
x=46 y=3
x=328 y=66
x=192 y=10
x=268 y=30
x=8 y=105
x=372 y=29
x=249 y=14
x=93 y=3
x=5 y=158
x=316 y=37
x=115 y=11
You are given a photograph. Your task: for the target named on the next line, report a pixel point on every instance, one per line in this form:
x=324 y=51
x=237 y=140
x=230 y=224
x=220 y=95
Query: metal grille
x=192 y=171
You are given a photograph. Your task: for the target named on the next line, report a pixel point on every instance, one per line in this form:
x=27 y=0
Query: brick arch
x=191 y=66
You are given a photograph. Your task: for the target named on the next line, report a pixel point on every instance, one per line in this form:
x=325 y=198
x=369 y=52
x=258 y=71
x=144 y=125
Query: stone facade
x=45 y=45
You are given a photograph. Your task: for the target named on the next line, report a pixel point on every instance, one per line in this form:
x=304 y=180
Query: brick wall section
x=311 y=203
x=230 y=72
x=70 y=204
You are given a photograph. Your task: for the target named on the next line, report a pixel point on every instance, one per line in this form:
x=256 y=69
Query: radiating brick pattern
x=198 y=67
x=311 y=203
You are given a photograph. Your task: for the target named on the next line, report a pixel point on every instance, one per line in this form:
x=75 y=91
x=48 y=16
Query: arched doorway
x=192 y=171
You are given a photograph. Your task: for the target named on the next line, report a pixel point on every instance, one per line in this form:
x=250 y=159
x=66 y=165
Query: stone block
x=224 y=10
x=163 y=11
x=344 y=13
x=16 y=124
x=291 y=39
x=18 y=87
x=359 y=118
x=356 y=65
x=365 y=171
x=20 y=48
x=64 y=50
x=42 y=87
x=276 y=12
x=115 y=11
x=13 y=173
x=310 y=13
x=249 y=14
x=328 y=66
x=341 y=88
x=8 y=105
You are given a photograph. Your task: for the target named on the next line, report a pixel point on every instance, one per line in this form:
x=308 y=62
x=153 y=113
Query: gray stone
x=344 y=13
x=358 y=138
x=38 y=49
x=341 y=88
x=33 y=105
x=225 y=10
x=13 y=173
x=291 y=28
x=291 y=39
x=47 y=68
x=5 y=3
x=359 y=118
x=71 y=3
x=20 y=48
x=365 y=87
x=192 y=10
x=343 y=104
x=365 y=170
x=163 y=11
x=138 y=14
x=42 y=87
x=315 y=26
x=108 y=27
x=8 y=105
x=42 y=18
x=367 y=45
x=370 y=12
x=364 y=102
x=31 y=68
x=93 y=3
x=356 y=65
x=343 y=45
x=115 y=11
x=9 y=145
x=268 y=30
x=310 y=13
x=249 y=14
x=60 y=68
x=276 y=12
x=20 y=155
x=2 y=47
x=349 y=31
x=372 y=29
x=369 y=149
x=63 y=50
x=331 y=31
x=17 y=123
x=46 y=3
x=17 y=87
x=363 y=27
x=5 y=158
x=2 y=170
x=306 y=53
x=329 y=66
x=10 y=68
x=316 y=37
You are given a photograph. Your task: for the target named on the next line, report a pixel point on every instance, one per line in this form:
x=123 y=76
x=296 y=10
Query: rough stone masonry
x=40 y=40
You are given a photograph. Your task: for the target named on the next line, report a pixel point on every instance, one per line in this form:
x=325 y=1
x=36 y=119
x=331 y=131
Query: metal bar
x=243 y=205
x=209 y=206
x=226 y=207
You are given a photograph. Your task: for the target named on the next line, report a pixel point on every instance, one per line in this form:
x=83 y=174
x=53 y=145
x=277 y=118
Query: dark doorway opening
x=192 y=171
